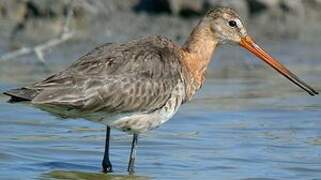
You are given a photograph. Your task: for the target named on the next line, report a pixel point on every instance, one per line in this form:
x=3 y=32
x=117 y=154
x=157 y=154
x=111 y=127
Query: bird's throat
x=197 y=54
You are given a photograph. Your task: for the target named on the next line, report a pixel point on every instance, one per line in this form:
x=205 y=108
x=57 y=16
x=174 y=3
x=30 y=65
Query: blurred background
x=246 y=122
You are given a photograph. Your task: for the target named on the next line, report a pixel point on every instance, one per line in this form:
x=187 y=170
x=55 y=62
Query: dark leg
x=107 y=167
x=132 y=155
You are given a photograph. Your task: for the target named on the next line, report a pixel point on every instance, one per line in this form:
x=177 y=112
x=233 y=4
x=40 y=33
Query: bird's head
x=225 y=25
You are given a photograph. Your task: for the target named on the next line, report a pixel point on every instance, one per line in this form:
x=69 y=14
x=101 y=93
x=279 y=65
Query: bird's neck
x=197 y=54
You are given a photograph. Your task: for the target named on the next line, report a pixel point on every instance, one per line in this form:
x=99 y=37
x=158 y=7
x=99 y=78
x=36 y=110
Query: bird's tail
x=21 y=94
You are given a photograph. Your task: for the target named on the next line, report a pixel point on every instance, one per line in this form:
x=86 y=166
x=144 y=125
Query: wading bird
x=139 y=85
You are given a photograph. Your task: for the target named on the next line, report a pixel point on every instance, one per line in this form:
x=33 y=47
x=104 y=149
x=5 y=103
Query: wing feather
x=138 y=76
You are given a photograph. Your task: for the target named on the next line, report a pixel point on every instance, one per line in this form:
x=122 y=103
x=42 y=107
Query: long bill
x=250 y=45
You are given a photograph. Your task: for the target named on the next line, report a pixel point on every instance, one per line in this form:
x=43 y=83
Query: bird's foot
x=131 y=167
x=107 y=167
x=131 y=171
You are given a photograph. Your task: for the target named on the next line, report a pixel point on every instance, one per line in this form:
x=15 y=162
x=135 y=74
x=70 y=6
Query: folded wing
x=137 y=76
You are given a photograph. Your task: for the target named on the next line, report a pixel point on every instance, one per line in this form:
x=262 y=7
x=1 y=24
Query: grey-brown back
x=136 y=76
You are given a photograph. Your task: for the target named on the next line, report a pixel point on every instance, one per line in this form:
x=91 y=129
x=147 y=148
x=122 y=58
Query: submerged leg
x=107 y=167
x=132 y=155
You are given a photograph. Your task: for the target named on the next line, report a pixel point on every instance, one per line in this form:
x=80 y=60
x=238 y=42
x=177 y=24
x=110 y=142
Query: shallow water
x=246 y=123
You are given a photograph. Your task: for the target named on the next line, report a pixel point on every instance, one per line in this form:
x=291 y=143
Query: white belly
x=141 y=122
x=134 y=122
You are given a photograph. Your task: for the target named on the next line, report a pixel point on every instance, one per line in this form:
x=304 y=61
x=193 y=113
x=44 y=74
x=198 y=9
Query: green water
x=246 y=123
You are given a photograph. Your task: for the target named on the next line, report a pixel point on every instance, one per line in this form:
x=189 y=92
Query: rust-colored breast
x=194 y=69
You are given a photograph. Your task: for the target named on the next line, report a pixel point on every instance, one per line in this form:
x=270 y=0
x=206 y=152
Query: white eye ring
x=235 y=23
x=238 y=23
x=232 y=23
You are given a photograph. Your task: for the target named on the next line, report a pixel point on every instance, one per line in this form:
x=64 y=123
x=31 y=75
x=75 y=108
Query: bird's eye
x=232 y=23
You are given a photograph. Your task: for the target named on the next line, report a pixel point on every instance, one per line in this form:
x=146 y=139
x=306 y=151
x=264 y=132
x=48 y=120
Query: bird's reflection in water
x=80 y=175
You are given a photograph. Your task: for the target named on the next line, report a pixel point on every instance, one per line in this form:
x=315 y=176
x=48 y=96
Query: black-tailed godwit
x=139 y=85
